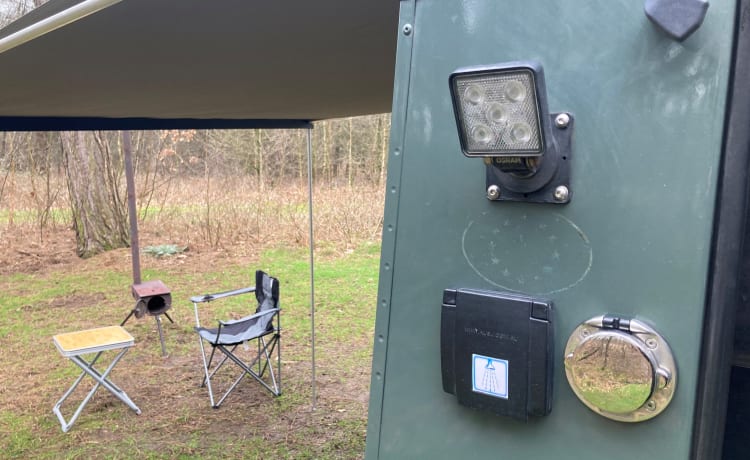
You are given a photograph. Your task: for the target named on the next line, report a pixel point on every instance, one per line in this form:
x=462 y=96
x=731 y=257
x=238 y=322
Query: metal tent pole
x=61 y=19
x=312 y=253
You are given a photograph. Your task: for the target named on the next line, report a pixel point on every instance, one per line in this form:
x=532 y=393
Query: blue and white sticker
x=489 y=376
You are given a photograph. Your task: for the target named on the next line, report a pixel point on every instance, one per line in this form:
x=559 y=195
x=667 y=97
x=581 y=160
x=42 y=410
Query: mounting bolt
x=651 y=406
x=652 y=343
x=561 y=193
x=493 y=192
x=562 y=120
x=407 y=29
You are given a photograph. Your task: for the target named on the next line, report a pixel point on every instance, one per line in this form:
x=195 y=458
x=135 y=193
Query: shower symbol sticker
x=489 y=376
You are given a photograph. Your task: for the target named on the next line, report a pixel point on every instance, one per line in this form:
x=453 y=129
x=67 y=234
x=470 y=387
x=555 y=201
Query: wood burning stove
x=151 y=298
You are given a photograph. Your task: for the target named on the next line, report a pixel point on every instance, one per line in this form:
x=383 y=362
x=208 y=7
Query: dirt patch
x=23 y=251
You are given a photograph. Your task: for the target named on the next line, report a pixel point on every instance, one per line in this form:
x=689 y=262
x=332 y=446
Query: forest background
x=217 y=187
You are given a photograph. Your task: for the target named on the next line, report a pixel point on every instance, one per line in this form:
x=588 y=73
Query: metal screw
x=585 y=333
x=407 y=29
x=562 y=120
x=652 y=343
x=493 y=192
x=561 y=193
x=651 y=405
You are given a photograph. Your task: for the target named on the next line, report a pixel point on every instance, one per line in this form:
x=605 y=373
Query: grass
x=620 y=399
x=177 y=421
x=48 y=290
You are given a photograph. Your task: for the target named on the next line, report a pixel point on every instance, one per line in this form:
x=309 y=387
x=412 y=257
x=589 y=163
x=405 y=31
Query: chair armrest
x=251 y=317
x=221 y=295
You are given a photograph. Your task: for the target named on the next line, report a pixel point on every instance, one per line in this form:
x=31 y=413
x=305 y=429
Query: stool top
x=93 y=340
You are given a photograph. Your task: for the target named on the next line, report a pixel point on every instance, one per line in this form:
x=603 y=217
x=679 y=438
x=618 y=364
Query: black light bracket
x=496 y=107
x=544 y=179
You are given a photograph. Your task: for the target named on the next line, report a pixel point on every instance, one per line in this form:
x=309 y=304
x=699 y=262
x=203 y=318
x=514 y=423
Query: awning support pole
x=312 y=256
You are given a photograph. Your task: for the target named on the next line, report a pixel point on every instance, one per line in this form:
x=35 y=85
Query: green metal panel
x=634 y=240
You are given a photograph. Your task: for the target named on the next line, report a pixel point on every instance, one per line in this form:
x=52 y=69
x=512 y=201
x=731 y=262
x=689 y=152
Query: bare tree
x=384 y=126
x=97 y=201
x=10 y=10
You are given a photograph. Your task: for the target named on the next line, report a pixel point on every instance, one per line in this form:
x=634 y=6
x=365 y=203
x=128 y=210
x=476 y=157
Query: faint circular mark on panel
x=534 y=253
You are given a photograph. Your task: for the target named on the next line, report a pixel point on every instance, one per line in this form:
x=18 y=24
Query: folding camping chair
x=254 y=328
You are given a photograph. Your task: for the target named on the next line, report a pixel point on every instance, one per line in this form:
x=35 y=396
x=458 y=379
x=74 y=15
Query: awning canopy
x=198 y=63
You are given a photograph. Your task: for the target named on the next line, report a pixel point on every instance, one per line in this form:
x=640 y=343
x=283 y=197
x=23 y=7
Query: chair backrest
x=266 y=291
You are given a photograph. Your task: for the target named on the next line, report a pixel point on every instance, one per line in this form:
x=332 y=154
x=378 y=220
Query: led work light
x=502 y=116
x=498 y=112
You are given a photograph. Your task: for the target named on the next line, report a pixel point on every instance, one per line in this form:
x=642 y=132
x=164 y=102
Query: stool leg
x=67 y=424
x=106 y=383
x=101 y=380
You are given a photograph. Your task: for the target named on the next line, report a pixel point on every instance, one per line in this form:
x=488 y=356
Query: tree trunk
x=383 y=122
x=351 y=156
x=259 y=157
x=99 y=217
x=326 y=161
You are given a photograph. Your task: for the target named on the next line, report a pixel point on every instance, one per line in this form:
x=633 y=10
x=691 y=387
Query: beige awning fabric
x=200 y=63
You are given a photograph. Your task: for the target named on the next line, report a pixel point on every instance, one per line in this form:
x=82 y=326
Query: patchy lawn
x=47 y=290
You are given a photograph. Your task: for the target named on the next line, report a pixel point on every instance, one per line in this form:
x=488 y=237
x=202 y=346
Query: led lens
x=474 y=94
x=515 y=91
x=498 y=112
x=520 y=133
x=481 y=134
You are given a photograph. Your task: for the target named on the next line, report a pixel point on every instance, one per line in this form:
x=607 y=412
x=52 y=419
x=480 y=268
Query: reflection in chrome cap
x=625 y=373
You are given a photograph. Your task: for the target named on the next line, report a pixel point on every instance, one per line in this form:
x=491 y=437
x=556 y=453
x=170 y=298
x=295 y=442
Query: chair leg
x=207 y=377
x=218 y=366
x=251 y=372
x=269 y=365
x=263 y=359
x=228 y=354
x=278 y=358
x=267 y=362
x=231 y=387
x=274 y=345
x=268 y=349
